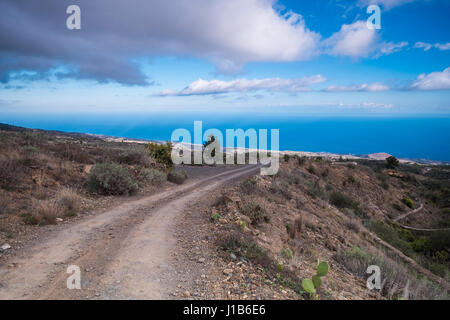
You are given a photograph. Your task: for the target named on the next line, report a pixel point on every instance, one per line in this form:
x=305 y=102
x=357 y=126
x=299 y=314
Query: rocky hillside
x=340 y=212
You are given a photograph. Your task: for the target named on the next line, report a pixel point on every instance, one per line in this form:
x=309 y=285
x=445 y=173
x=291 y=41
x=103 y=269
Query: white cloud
x=356 y=40
x=424 y=45
x=367 y=105
x=205 y=87
x=433 y=81
x=443 y=46
x=428 y=46
x=353 y=40
x=228 y=32
x=359 y=88
x=387 y=48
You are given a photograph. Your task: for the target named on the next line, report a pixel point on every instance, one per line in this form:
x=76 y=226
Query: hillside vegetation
x=46 y=176
x=344 y=214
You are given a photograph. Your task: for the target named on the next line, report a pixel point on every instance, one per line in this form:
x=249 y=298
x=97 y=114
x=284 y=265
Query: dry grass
x=5 y=203
x=395 y=276
x=11 y=169
x=353 y=225
x=297 y=227
x=44 y=212
x=68 y=201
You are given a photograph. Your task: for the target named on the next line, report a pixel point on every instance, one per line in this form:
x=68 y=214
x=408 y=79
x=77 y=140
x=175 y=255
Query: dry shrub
x=68 y=201
x=244 y=246
x=5 y=203
x=352 y=225
x=256 y=212
x=72 y=152
x=310 y=224
x=40 y=193
x=248 y=186
x=135 y=156
x=296 y=228
x=44 y=212
x=282 y=189
x=222 y=201
x=12 y=169
x=394 y=276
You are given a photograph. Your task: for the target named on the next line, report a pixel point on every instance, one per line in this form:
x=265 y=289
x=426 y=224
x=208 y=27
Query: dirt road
x=123 y=253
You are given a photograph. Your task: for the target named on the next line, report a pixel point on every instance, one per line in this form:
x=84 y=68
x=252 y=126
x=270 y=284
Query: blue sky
x=254 y=55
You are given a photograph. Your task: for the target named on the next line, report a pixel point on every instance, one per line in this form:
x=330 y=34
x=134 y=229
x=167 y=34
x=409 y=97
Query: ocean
x=405 y=137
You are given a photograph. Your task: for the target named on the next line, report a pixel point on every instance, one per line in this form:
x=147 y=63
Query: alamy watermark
x=74 y=280
x=374 y=280
x=73 y=21
x=188 y=151
x=374 y=21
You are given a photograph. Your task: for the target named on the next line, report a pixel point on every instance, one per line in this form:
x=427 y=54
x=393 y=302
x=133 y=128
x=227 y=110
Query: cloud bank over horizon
x=115 y=36
x=113 y=33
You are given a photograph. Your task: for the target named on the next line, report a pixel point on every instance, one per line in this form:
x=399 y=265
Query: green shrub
x=177 y=177
x=406 y=235
x=153 y=176
x=441 y=256
x=215 y=217
x=110 y=179
x=392 y=162
x=286 y=157
x=420 y=244
x=408 y=202
x=389 y=234
x=342 y=201
x=162 y=153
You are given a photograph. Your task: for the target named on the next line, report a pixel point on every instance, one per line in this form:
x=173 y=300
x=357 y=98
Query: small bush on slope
x=162 y=153
x=68 y=201
x=153 y=176
x=44 y=212
x=177 y=177
x=111 y=179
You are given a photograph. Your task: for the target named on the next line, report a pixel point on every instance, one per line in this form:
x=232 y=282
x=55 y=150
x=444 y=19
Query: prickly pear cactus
x=310 y=285
x=322 y=268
